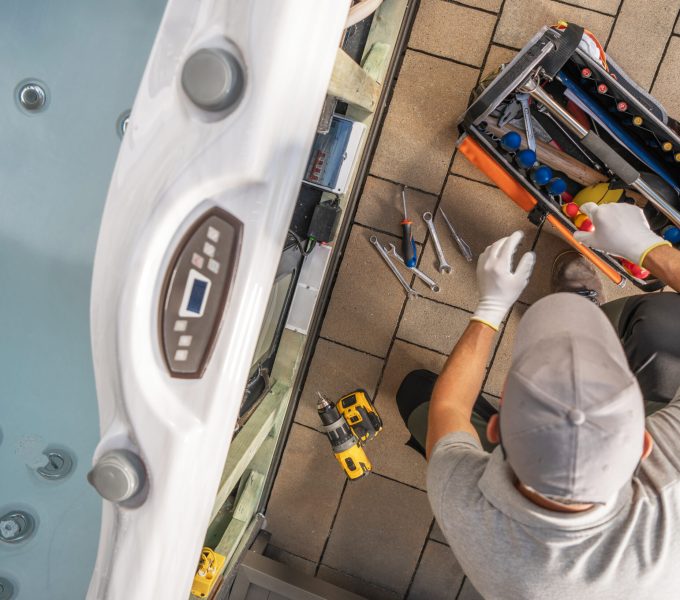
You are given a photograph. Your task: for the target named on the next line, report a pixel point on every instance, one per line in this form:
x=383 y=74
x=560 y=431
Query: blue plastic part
x=526 y=159
x=611 y=124
x=556 y=186
x=541 y=175
x=671 y=234
x=411 y=262
x=511 y=141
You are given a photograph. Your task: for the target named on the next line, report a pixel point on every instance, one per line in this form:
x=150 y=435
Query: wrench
x=392 y=249
x=462 y=244
x=444 y=267
x=409 y=290
x=528 y=125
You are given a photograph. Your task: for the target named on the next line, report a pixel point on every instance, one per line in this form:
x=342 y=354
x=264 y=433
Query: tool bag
x=598 y=138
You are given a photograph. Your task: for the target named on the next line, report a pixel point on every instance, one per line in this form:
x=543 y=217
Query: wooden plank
x=350 y=83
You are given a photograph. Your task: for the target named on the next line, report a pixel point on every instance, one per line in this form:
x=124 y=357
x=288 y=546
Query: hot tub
x=98 y=375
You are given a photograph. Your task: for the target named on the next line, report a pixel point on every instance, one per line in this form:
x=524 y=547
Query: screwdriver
x=408 y=245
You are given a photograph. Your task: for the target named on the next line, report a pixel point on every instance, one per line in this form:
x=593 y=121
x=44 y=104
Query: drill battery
x=360 y=415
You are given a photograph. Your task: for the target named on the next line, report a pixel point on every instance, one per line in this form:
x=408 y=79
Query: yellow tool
x=209 y=567
x=360 y=414
x=345 y=444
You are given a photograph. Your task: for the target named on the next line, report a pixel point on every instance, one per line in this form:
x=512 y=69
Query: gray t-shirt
x=512 y=549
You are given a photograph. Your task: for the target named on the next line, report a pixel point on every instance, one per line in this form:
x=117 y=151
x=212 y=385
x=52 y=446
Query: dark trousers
x=649 y=329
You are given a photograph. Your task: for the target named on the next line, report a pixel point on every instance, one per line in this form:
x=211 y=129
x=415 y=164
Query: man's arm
x=459 y=384
x=664 y=262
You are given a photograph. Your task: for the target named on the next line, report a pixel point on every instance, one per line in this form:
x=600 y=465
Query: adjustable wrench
x=392 y=249
x=444 y=267
x=409 y=290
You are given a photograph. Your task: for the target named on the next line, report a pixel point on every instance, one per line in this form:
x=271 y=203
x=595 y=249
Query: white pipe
x=361 y=10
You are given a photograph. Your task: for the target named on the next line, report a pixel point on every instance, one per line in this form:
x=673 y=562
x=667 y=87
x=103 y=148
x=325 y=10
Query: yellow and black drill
x=349 y=424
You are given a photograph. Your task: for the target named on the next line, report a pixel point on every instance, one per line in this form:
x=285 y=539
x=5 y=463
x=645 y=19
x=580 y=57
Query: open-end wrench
x=462 y=244
x=523 y=99
x=392 y=249
x=409 y=290
x=444 y=267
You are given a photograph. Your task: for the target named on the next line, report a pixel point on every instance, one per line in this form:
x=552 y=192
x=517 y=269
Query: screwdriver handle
x=408 y=245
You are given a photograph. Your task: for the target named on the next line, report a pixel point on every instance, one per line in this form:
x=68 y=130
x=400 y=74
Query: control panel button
x=195 y=290
x=213 y=234
x=213 y=266
x=209 y=249
x=197 y=260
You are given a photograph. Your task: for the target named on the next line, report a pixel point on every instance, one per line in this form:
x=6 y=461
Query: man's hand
x=620 y=229
x=499 y=287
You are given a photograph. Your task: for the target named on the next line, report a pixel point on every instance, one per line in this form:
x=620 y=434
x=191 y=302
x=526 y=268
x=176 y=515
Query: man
x=581 y=498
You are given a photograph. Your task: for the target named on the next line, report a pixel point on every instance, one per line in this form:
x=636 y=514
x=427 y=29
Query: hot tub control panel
x=195 y=291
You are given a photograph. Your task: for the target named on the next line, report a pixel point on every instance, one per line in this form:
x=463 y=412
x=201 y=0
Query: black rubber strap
x=565 y=46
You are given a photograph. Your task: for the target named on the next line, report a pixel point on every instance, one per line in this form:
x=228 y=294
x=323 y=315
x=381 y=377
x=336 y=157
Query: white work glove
x=499 y=287
x=620 y=229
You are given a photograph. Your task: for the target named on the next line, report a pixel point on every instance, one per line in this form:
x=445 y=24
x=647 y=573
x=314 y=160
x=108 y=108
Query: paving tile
x=522 y=19
x=419 y=133
x=439 y=576
x=392 y=515
x=492 y=5
x=666 y=85
x=608 y=6
x=462 y=166
x=437 y=535
x=676 y=31
x=290 y=560
x=306 y=494
x=452 y=31
x=497 y=56
x=435 y=326
x=468 y=592
x=388 y=452
x=365 y=589
x=335 y=371
x=501 y=363
x=367 y=298
x=481 y=215
x=547 y=248
x=381 y=207
x=648 y=20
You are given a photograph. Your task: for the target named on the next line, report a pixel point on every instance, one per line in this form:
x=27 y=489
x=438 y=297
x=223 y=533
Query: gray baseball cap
x=572 y=419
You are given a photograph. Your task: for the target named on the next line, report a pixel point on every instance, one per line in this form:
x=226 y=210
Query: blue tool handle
x=408 y=245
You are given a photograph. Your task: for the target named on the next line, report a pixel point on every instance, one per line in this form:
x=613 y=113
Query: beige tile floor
x=377 y=537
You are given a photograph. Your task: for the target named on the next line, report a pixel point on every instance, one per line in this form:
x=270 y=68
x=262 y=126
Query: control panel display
x=195 y=292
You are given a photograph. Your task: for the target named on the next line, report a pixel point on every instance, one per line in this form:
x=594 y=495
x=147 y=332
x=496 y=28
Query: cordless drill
x=345 y=444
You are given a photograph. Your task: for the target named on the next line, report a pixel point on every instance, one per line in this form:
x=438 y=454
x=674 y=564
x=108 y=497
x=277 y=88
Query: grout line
x=330 y=530
x=399 y=339
x=611 y=31
x=594 y=10
x=486 y=183
x=392 y=479
x=291 y=553
x=446 y=58
x=505 y=46
x=420 y=558
x=408 y=187
x=665 y=51
x=467 y=310
x=477 y=8
x=321 y=337
x=460 y=589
